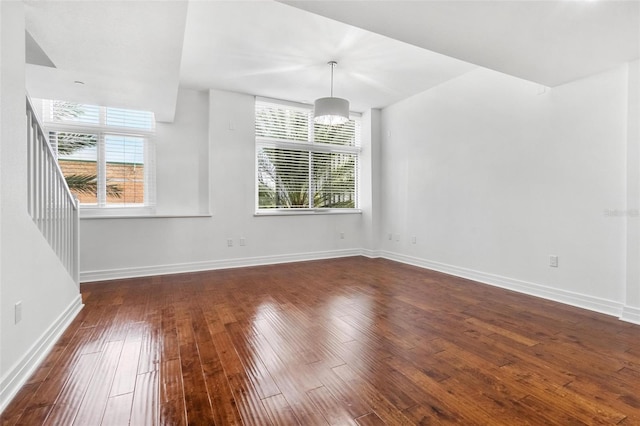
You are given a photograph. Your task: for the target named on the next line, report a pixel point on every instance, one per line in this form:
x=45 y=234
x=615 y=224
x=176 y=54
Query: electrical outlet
x=390 y=236
x=413 y=239
x=243 y=241
x=229 y=242
x=553 y=261
x=342 y=235
x=18 y=312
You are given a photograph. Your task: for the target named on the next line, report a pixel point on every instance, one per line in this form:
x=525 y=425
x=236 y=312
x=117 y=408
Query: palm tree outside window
x=302 y=165
x=105 y=153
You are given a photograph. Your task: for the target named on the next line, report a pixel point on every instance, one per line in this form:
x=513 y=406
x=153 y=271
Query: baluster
x=36 y=182
x=76 y=242
x=29 y=166
x=64 y=226
x=58 y=198
x=46 y=189
x=41 y=190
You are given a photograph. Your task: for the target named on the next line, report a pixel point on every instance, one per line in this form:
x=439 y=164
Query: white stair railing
x=50 y=203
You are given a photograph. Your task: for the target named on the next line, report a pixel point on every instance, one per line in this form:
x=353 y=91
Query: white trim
x=291 y=104
x=18 y=374
x=89 y=211
x=372 y=254
x=67 y=126
x=144 y=271
x=151 y=216
x=604 y=306
x=304 y=212
x=630 y=314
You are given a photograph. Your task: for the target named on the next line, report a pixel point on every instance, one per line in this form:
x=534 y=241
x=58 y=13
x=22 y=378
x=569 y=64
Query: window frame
x=103 y=130
x=309 y=147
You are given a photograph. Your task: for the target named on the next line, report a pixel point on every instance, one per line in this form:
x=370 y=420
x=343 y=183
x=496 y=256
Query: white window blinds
x=303 y=165
x=106 y=154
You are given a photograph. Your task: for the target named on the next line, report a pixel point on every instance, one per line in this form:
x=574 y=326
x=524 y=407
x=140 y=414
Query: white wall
x=370 y=196
x=632 y=303
x=492 y=176
x=182 y=150
x=31 y=272
x=131 y=247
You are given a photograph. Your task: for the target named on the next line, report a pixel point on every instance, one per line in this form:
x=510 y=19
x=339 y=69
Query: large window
x=302 y=165
x=106 y=154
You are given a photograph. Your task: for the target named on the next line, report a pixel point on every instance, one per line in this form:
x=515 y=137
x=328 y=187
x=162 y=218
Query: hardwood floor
x=344 y=341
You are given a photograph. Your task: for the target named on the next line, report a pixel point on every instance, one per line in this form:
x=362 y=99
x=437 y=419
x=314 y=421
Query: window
x=302 y=165
x=106 y=154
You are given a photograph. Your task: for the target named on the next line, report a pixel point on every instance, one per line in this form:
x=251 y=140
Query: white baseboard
x=373 y=254
x=17 y=375
x=608 y=307
x=630 y=314
x=145 y=271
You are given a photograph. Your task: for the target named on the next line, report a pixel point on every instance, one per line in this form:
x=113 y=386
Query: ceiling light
x=331 y=111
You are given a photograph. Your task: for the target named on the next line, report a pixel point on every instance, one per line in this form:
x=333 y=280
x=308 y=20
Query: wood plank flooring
x=351 y=341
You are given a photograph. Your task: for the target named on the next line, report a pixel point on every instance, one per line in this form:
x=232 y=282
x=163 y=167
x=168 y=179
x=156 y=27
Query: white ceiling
x=137 y=53
x=548 y=42
x=273 y=50
x=127 y=53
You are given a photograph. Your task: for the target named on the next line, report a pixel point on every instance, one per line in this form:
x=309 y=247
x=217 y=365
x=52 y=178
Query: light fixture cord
x=332 y=64
x=332 y=80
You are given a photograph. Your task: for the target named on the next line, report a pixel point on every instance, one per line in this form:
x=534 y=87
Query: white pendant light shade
x=331 y=111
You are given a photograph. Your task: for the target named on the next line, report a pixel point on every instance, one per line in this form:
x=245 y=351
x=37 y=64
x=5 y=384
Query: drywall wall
x=31 y=273
x=492 y=174
x=370 y=196
x=183 y=168
x=632 y=212
x=143 y=246
x=2 y=308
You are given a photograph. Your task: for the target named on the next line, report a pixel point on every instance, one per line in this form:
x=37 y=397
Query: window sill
x=147 y=216
x=131 y=213
x=304 y=212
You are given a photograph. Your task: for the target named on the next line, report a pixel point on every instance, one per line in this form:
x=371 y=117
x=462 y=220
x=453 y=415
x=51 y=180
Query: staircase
x=52 y=207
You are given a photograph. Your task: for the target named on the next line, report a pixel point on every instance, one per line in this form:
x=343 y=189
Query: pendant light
x=331 y=111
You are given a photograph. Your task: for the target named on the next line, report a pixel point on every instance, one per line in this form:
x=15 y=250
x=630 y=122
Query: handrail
x=50 y=203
